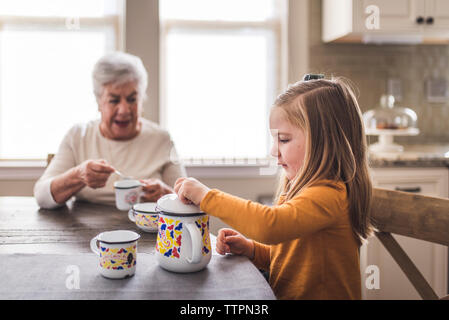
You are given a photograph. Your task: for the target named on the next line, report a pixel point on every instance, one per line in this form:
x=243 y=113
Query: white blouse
x=151 y=154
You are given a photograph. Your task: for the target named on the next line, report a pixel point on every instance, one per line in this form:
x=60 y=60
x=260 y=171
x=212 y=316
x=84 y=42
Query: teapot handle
x=197 y=243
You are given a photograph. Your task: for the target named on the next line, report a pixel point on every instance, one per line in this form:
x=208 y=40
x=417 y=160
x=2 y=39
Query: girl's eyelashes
x=284 y=140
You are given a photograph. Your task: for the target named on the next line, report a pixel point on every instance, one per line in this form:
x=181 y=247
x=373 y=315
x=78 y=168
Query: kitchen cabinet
x=439 y=11
x=430 y=258
x=399 y=21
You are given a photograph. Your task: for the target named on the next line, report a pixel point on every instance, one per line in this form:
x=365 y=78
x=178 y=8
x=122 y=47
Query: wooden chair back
x=416 y=216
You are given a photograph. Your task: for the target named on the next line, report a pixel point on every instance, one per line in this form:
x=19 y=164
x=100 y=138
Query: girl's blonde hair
x=328 y=113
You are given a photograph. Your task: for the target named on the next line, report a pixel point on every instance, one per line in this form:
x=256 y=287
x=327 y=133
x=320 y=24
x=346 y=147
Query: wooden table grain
x=25 y=228
x=30 y=235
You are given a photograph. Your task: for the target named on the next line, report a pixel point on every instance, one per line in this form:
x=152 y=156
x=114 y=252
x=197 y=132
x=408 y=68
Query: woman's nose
x=124 y=107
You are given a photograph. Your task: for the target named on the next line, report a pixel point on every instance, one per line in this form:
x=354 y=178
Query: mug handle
x=131 y=215
x=140 y=193
x=94 y=246
x=197 y=243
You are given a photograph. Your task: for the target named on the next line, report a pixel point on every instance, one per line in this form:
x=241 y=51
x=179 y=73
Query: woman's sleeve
x=63 y=160
x=314 y=209
x=173 y=169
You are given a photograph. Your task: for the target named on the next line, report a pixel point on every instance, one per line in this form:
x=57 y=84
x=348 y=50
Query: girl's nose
x=275 y=150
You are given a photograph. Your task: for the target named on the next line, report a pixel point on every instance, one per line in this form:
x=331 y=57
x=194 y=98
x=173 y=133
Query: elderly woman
x=121 y=140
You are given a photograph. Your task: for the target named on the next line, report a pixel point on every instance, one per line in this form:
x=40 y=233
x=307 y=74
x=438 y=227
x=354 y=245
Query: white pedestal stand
x=386 y=136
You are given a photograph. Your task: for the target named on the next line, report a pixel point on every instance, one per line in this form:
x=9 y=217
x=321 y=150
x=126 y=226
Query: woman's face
x=289 y=143
x=120 y=108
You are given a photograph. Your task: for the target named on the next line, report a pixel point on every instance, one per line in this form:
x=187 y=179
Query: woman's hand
x=153 y=189
x=94 y=173
x=230 y=241
x=190 y=190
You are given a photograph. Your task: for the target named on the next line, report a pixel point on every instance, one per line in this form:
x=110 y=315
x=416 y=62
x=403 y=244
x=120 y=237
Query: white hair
x=118 y=68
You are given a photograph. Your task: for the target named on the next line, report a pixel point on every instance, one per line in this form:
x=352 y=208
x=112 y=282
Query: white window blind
x=47 y=52
x=221 y=71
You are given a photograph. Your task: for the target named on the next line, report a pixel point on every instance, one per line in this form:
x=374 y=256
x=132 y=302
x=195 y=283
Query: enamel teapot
x=183 y=240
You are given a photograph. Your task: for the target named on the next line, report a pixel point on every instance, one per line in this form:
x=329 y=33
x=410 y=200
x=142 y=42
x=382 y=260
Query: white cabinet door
x=430 y=258
x=439 y=11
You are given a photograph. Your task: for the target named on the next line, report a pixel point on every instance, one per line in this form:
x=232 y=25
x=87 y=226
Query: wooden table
x=39 y=249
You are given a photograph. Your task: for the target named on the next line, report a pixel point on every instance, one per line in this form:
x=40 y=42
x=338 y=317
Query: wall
x=142 y=40
x=369 y=67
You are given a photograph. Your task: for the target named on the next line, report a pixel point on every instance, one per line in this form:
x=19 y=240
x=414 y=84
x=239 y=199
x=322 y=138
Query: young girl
x=309 y=242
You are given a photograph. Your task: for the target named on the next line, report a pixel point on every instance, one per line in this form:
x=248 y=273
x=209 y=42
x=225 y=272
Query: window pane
x=216 y=92
x=231 y=10
x=46 y=87
x=58 y=8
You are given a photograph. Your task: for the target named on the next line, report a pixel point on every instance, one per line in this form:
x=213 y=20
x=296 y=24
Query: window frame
x=117 y=22
x=277 y=26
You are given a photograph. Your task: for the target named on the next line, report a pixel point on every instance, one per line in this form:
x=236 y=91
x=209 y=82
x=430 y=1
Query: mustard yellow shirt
x=306 y=243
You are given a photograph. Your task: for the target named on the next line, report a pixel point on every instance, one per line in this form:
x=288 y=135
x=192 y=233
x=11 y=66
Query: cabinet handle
x=420 y=20
x=429 y=20
x=412 y=189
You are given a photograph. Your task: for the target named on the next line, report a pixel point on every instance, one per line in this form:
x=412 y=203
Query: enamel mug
x=183 y=240
x=117 y=251
x=145 y=216
x=127 y=193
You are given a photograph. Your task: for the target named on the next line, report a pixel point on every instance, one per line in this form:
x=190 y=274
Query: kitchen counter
x=427 y=156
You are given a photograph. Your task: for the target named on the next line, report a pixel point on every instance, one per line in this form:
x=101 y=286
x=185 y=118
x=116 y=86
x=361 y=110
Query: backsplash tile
x=370 y=66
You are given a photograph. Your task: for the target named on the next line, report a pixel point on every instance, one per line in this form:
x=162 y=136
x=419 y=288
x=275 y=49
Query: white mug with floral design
x=117 y=251
x=183 y=240
x=127 y=193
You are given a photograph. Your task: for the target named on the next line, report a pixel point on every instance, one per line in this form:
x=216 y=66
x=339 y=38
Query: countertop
x=413 y=156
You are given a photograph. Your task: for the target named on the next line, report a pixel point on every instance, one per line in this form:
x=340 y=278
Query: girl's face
x=289 y=143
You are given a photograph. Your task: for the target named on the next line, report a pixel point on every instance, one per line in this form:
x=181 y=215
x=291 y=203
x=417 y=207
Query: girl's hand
x=230 y=241
x=190 y=190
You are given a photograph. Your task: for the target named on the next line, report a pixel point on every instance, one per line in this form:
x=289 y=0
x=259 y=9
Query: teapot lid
x=171 y=205
x=145 y=207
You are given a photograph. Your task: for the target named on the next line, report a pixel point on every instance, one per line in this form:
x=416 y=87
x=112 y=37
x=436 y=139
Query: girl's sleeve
x=261 y=256
x=314 y=209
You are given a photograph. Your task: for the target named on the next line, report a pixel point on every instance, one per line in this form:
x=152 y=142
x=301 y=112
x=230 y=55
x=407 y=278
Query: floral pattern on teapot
x=169 y=238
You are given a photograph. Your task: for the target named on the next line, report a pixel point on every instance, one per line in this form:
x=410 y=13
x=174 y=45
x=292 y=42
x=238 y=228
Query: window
x=47 y=52
x=221 y=71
